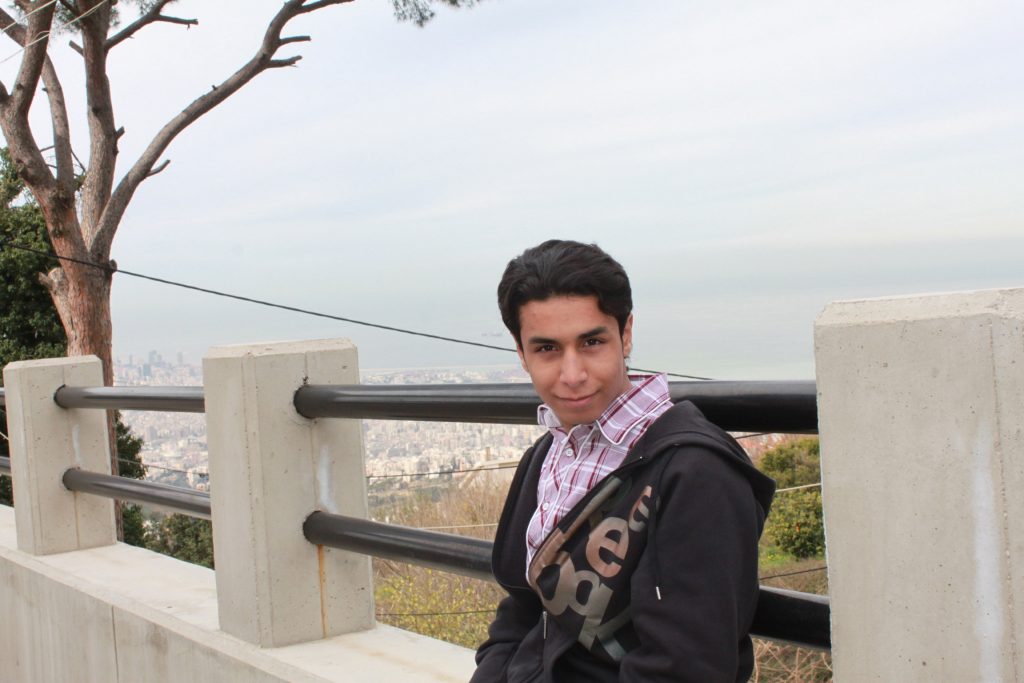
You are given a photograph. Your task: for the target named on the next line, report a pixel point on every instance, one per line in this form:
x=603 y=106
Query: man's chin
x=571 y=418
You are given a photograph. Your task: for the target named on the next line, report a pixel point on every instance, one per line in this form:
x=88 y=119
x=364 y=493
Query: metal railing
x=789 y=407
x=782 y=615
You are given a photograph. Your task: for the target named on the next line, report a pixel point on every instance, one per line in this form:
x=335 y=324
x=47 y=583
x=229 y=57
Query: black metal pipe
x=447 y=552
x=793 y=617
x=736 y=406
x=171 y=498
x=789 y=406
x=786 y=616
x=169 y=399
x=5 y=465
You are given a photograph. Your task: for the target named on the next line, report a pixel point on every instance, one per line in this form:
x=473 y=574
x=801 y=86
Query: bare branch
x=78 y=161
x=295 y=39
x=28 y=159
x=99 y=181
x=76 y=47
x=151 y=16
x=11 y=27
x=36 y=39
x=278 y=63
x=158 y=168
x=143 y=167
x=15 y=32
x=61 y=129
x=178 y=20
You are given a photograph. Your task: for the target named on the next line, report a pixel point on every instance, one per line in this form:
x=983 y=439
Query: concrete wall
x=921 y=413
x=76 y=606
x=119 y=614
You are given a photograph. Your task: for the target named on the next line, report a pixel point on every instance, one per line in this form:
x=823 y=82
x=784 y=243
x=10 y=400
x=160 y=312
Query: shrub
x=795 y=463
x=795 y=524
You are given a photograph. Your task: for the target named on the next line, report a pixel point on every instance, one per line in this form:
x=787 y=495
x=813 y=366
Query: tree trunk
x=84 y=306
x=81 y=295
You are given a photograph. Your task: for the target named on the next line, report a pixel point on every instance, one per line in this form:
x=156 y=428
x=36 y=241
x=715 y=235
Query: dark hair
x=564 y=268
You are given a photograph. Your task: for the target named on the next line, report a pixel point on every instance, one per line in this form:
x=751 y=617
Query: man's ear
x=627 y=337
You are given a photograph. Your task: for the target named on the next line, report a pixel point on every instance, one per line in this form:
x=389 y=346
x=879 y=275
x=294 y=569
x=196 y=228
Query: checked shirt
x=584 y=455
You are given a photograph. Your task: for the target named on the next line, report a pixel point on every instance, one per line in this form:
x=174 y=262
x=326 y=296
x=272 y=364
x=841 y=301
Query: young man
x=628 y=542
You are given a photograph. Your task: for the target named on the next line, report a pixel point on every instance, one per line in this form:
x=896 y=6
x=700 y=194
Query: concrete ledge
x=124 y=614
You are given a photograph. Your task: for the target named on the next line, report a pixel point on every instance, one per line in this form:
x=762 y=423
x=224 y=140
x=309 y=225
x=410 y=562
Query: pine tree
x=29 y=325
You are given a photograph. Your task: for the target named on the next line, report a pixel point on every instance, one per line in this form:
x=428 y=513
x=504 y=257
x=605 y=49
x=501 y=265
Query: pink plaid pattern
x=580 y=458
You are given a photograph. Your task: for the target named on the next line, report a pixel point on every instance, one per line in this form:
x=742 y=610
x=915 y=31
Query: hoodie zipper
x=544 y=619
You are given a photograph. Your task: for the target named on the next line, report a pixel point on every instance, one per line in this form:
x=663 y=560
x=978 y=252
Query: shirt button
x=544 y=506
x=569 y=453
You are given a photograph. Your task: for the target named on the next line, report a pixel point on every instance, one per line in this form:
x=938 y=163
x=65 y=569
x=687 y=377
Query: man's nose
x=574 y=370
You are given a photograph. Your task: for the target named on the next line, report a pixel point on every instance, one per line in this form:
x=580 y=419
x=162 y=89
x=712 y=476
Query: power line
x=459 y=526
x=261 y=302
x=797 y=488
x=793 y=573
x=453 y=471
x=37 y=9
x=284 y=307
x=435 y=614
x=46 y=34
x=198 y=473
x=670 y=374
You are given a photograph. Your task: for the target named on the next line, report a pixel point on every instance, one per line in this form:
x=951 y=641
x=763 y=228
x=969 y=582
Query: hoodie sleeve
x=517 y=615
x=705 y=566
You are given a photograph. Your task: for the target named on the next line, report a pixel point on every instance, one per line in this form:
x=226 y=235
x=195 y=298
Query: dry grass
x=459 y=609
x=777 y=663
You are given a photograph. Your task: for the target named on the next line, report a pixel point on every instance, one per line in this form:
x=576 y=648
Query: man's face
x=575 y=355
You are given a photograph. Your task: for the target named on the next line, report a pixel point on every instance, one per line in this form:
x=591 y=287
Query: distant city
x=399 y=454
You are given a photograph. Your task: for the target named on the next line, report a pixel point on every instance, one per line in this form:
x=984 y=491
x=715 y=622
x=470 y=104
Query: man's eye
x=593 y=341
x=544 y=348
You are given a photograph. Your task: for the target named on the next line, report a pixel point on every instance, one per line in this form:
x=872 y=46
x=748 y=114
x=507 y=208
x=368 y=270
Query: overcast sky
x=747 y=162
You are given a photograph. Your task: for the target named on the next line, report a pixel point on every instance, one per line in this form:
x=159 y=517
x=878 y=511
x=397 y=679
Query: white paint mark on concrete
x=76 y=448
x=988 y=587
x=325 y=496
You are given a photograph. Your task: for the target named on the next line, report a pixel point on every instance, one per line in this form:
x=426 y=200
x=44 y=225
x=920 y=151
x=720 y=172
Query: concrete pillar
x=921 y=412
x=269 y=469
x=46 y=440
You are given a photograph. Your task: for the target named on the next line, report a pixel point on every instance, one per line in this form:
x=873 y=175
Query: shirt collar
x=646 y=393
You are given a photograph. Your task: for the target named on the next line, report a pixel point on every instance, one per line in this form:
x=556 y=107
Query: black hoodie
x=651 y=577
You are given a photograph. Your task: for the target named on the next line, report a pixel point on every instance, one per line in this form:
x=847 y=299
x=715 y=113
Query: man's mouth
x=576 y=402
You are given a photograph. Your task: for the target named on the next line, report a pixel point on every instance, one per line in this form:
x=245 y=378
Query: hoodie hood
x=665 y=434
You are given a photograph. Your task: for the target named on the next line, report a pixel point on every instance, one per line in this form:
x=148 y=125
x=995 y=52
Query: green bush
x=795 y=463
x=795 y=524
x=186 y=538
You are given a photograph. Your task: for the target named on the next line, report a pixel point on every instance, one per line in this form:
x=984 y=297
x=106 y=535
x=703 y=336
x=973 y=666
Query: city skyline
x=174 y=444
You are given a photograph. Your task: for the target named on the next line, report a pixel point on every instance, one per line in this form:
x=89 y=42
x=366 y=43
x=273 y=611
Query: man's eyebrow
x=540 y=340
x=597 y=331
